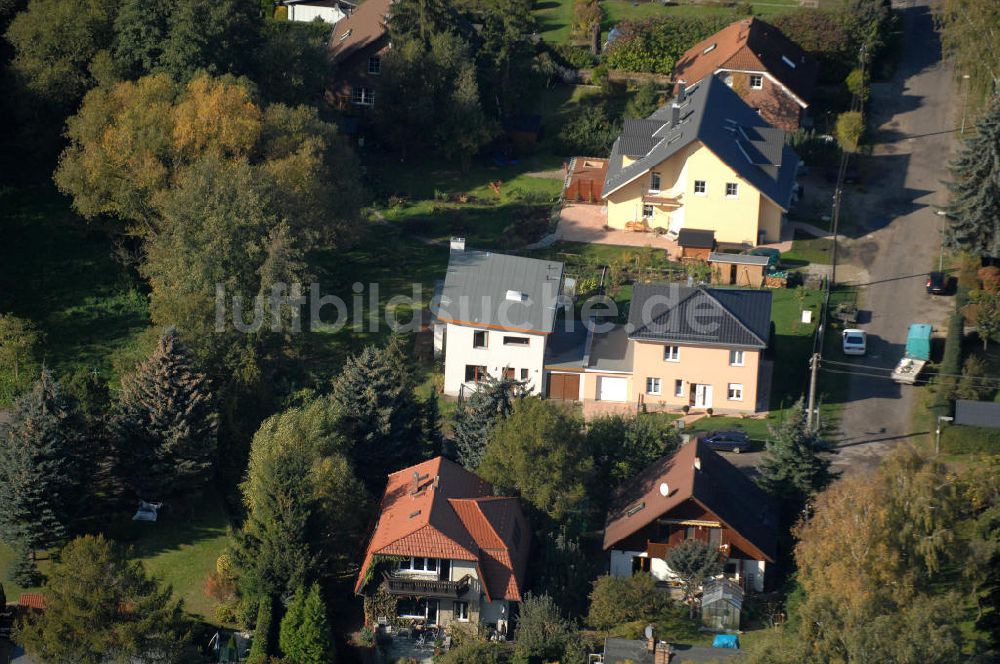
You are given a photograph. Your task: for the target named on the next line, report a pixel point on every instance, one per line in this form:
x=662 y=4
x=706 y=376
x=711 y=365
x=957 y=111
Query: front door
x=702 y=396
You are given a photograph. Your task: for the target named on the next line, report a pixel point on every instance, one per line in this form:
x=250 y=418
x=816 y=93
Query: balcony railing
x=408 y=585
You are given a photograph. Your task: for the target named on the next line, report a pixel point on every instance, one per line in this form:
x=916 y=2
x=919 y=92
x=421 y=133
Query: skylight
x=516 y=296
x=347 y=33
x=709 y=49
x=788 y=61
x=635 y=509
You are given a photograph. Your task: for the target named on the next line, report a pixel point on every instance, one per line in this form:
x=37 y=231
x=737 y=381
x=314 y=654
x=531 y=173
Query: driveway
x=900 y=238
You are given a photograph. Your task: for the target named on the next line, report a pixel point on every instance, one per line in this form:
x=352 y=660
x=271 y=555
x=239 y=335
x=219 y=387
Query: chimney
x=650 y=643
x=437 y=481
x=681 y=92
x=697 y=463
x=457 y=245
x=415 y=484
x=664 y=653
x=675 y=114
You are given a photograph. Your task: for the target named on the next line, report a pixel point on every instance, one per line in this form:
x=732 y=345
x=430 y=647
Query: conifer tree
x=974 y=209
x=165 y=425
x=431 y=434
x=41 y=455
x=793 y=468
x=378 y=411
x=475 y=418
x=23 y=569
x=306 y=637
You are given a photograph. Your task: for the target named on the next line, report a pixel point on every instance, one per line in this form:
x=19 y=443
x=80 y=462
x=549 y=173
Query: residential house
x=306 y=11
x=447 y=548
x=357 y=45
x=694 y=494
x=699 y=347
x=769 y=71
x=704 y=161
x=494 y=315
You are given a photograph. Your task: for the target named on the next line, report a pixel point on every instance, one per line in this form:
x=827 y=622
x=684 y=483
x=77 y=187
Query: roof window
x=347 y=33
x=788 y=61
x=635 y=509
x=516 y=296
x=414 y=514
x=709 y=49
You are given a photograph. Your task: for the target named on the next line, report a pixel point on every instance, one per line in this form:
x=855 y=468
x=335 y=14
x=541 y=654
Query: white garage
x=612 y=389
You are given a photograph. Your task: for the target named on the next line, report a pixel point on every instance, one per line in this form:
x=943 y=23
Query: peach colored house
x=705 y=161
x=699 y=347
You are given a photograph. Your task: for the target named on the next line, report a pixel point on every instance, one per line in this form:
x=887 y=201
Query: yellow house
x=683 y=346
x=705 y=161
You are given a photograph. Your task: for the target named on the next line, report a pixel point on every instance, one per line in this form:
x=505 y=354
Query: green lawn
x=812 y=250
x=59 y=272
x=180 y=550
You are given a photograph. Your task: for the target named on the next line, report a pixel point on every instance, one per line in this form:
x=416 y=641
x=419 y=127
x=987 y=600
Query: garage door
x=612 y=389
x=565 y=387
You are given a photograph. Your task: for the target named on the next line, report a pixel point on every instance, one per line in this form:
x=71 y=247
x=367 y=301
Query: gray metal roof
x=579 y=350
x=739 y=259
x=715 y=115
x=566 y=350
x=977 y=413
x=700 y=316
x=488 y=289
x=611 y=351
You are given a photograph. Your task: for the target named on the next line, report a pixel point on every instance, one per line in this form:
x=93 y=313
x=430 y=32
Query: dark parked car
x=937 y=283
x=728 y=441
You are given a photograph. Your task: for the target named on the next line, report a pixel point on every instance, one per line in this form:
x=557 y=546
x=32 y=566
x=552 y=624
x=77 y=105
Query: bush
x=970 y=440
x=615 y=600
x=857 y=83
x=850 y=128
x=655 y=45
x=568 y=55
x=588 y=132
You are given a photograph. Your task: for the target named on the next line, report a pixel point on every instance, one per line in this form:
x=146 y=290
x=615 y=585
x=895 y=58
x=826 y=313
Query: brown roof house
x=694 y=494
x=357 y=43
x=770 y=72
x=446 y=548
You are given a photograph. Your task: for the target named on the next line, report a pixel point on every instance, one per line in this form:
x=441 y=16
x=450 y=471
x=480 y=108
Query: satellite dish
x=664 y=489
x=649 y=631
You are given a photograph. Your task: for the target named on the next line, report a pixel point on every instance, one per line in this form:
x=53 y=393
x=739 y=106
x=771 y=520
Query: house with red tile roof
x=769 y=71
x=694 y=494
x=446 y=548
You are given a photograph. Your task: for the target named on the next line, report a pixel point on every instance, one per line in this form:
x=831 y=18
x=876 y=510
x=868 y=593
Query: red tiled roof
x=453 y=515
x=750 y=45
x=32 y=601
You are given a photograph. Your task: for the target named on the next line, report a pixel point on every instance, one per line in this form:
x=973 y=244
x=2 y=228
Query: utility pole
x=811 y=409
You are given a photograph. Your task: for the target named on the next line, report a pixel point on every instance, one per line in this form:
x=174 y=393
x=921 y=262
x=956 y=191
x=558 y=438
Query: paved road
x=914 y=113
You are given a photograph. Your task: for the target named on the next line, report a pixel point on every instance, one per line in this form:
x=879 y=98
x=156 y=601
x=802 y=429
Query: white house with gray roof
x=494 y=316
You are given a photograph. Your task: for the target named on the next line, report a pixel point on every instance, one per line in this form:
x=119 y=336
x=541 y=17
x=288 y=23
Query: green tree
x=262 y=646
x=984 y=309
x=963 y=24
x=538 y=452
x=165 y=425
x=23 y=568
x=475 y=651
x=644 y=102
x=476 y=417
x=378 y=411
x=974 y=205
x=616 y=600
x=42 y=468
x=100 y=607
x=794 y=467
x=507 y=56
x=589 y=131
x=217 y=36
x=421 y=20
x=18 y=337
x=972 y=385
x=305 y=509
x=140 y=29
x=55 y=42
x=850 y=127
x=693 y=562
x=306 y=636
x=623 y=446
x=542 y=632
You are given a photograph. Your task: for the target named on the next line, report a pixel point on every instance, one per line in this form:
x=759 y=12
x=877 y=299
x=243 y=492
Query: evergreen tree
x=693 y=562
x=542 y=631
x=101 y=608
x=41 y=468
x=378 y=411
x=431 y=433
x=476 y=417
x=974 y=209
x=261 y=649
x=165 y=425
x=23 y=569
x=645 y=101
x=306 y=637
x=793 y=467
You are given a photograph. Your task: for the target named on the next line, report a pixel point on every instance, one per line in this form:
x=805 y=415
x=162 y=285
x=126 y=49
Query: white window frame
x=671 y=353
x=655 y=182
x=377 y=61
x=647 y=211
x=734 y=392
x=704 y=187
x=735 y=187
x=460 y=610
x=652 y=385
x=510 y=340
x=678 y=387
x=362 y=96
x=760 y=81
x=486 y=339
x=737 y=358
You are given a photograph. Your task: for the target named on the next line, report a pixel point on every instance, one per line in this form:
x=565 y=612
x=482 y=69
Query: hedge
x=970 y=440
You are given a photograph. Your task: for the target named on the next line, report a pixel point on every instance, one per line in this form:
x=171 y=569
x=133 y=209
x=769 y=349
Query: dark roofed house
x=984 y=414
x=694 y=494
x=769 y=71
x=458 y=552
x=357 y=44
x=704 y=161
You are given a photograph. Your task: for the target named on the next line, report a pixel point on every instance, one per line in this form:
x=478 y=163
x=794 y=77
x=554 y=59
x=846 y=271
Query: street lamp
x=965 y=101
x=937 y=439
